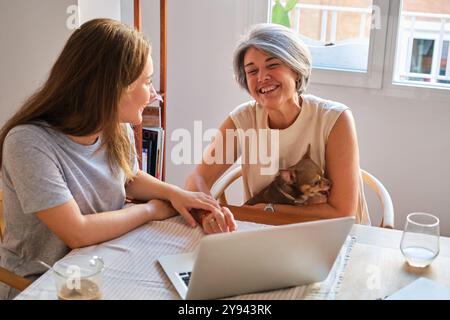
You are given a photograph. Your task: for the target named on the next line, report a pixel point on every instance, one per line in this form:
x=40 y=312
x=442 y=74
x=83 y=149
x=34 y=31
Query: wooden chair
x=6 y=276
x=2 y=224
x=387 y=220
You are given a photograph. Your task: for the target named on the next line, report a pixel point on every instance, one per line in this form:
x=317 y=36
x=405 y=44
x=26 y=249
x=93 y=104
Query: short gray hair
x=279 y=42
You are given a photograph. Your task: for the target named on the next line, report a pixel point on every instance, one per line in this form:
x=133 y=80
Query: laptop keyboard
x=185 y=276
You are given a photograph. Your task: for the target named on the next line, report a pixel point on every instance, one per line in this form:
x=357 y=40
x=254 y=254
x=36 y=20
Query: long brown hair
x=81 y=95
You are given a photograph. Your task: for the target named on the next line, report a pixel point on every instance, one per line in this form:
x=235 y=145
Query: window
x=346 y=37
x=423 y=43
x=338 y=36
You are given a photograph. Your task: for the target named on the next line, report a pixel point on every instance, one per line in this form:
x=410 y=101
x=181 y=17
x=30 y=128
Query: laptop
x=273 y=257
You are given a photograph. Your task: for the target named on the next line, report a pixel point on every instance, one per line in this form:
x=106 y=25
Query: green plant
x=280 y=13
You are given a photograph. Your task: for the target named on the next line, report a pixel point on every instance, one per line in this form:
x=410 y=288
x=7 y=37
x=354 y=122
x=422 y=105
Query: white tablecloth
x=132 y=270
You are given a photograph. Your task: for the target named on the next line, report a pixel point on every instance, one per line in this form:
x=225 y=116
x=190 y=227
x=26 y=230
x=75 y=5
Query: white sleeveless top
x=312 y=126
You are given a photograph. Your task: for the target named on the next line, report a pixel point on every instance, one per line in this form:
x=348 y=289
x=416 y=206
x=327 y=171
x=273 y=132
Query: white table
x=377 y=268
x=132 y=270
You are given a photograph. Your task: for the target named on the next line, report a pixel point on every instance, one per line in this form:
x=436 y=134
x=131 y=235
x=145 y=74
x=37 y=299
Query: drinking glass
x=79 y=277
x=420 y=239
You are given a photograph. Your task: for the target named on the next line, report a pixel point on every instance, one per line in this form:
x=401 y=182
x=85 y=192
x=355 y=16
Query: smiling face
x=269 y=80
x=138 y=95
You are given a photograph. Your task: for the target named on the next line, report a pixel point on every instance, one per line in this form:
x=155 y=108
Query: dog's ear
x=307 y=154
x=288 y=176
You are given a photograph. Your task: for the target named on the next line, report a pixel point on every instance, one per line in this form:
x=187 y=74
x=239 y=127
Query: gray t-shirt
x=42 y=168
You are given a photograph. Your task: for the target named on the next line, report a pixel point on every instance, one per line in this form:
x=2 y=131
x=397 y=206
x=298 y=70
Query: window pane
x=336 y=31
x=422 y=56
x=444 y=59
x=423 y=43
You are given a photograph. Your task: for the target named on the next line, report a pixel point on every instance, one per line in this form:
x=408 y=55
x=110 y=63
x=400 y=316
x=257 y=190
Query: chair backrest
x=6 y=276
x=387 y=220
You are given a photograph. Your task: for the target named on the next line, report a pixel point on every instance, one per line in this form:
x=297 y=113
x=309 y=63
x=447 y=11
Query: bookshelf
x=154 y=116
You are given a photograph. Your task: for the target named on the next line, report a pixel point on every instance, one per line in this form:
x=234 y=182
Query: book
x=153 y=141
x=151 y=116
x=144 y=157
x=147 y=145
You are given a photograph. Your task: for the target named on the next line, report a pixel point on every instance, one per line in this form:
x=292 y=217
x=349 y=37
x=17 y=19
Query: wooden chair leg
x=13 y=280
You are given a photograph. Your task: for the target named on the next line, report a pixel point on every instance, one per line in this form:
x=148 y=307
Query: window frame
x=439 y=39
x=409 y=55
x=418 y=91
x=373 y=78
x=447 y=67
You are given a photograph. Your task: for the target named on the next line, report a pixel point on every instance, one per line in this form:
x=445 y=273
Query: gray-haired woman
x=273 y=65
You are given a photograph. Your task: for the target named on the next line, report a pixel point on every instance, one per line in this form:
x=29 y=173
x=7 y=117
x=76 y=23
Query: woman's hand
x=161 y=209
x=210 y=221
x=183 y=201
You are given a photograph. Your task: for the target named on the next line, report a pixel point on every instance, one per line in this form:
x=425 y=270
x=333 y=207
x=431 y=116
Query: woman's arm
x=78 y=230
x=342 y=168
x=145 y=187
x=257 y=214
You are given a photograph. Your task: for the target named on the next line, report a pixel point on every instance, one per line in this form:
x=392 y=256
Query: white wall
x=126 y=12
x=201 y=39
x=32 y=33
x=150 y=27
x=91 y=9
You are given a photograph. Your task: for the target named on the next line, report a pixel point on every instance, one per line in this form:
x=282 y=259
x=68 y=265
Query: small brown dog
x=299 y=185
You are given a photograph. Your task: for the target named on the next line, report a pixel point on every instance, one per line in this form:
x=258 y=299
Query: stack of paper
x=422 y=289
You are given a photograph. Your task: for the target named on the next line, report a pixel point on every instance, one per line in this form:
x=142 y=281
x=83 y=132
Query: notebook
x=422 y=289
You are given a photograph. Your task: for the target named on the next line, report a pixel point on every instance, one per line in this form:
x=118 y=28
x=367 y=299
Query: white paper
x=422 y=289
